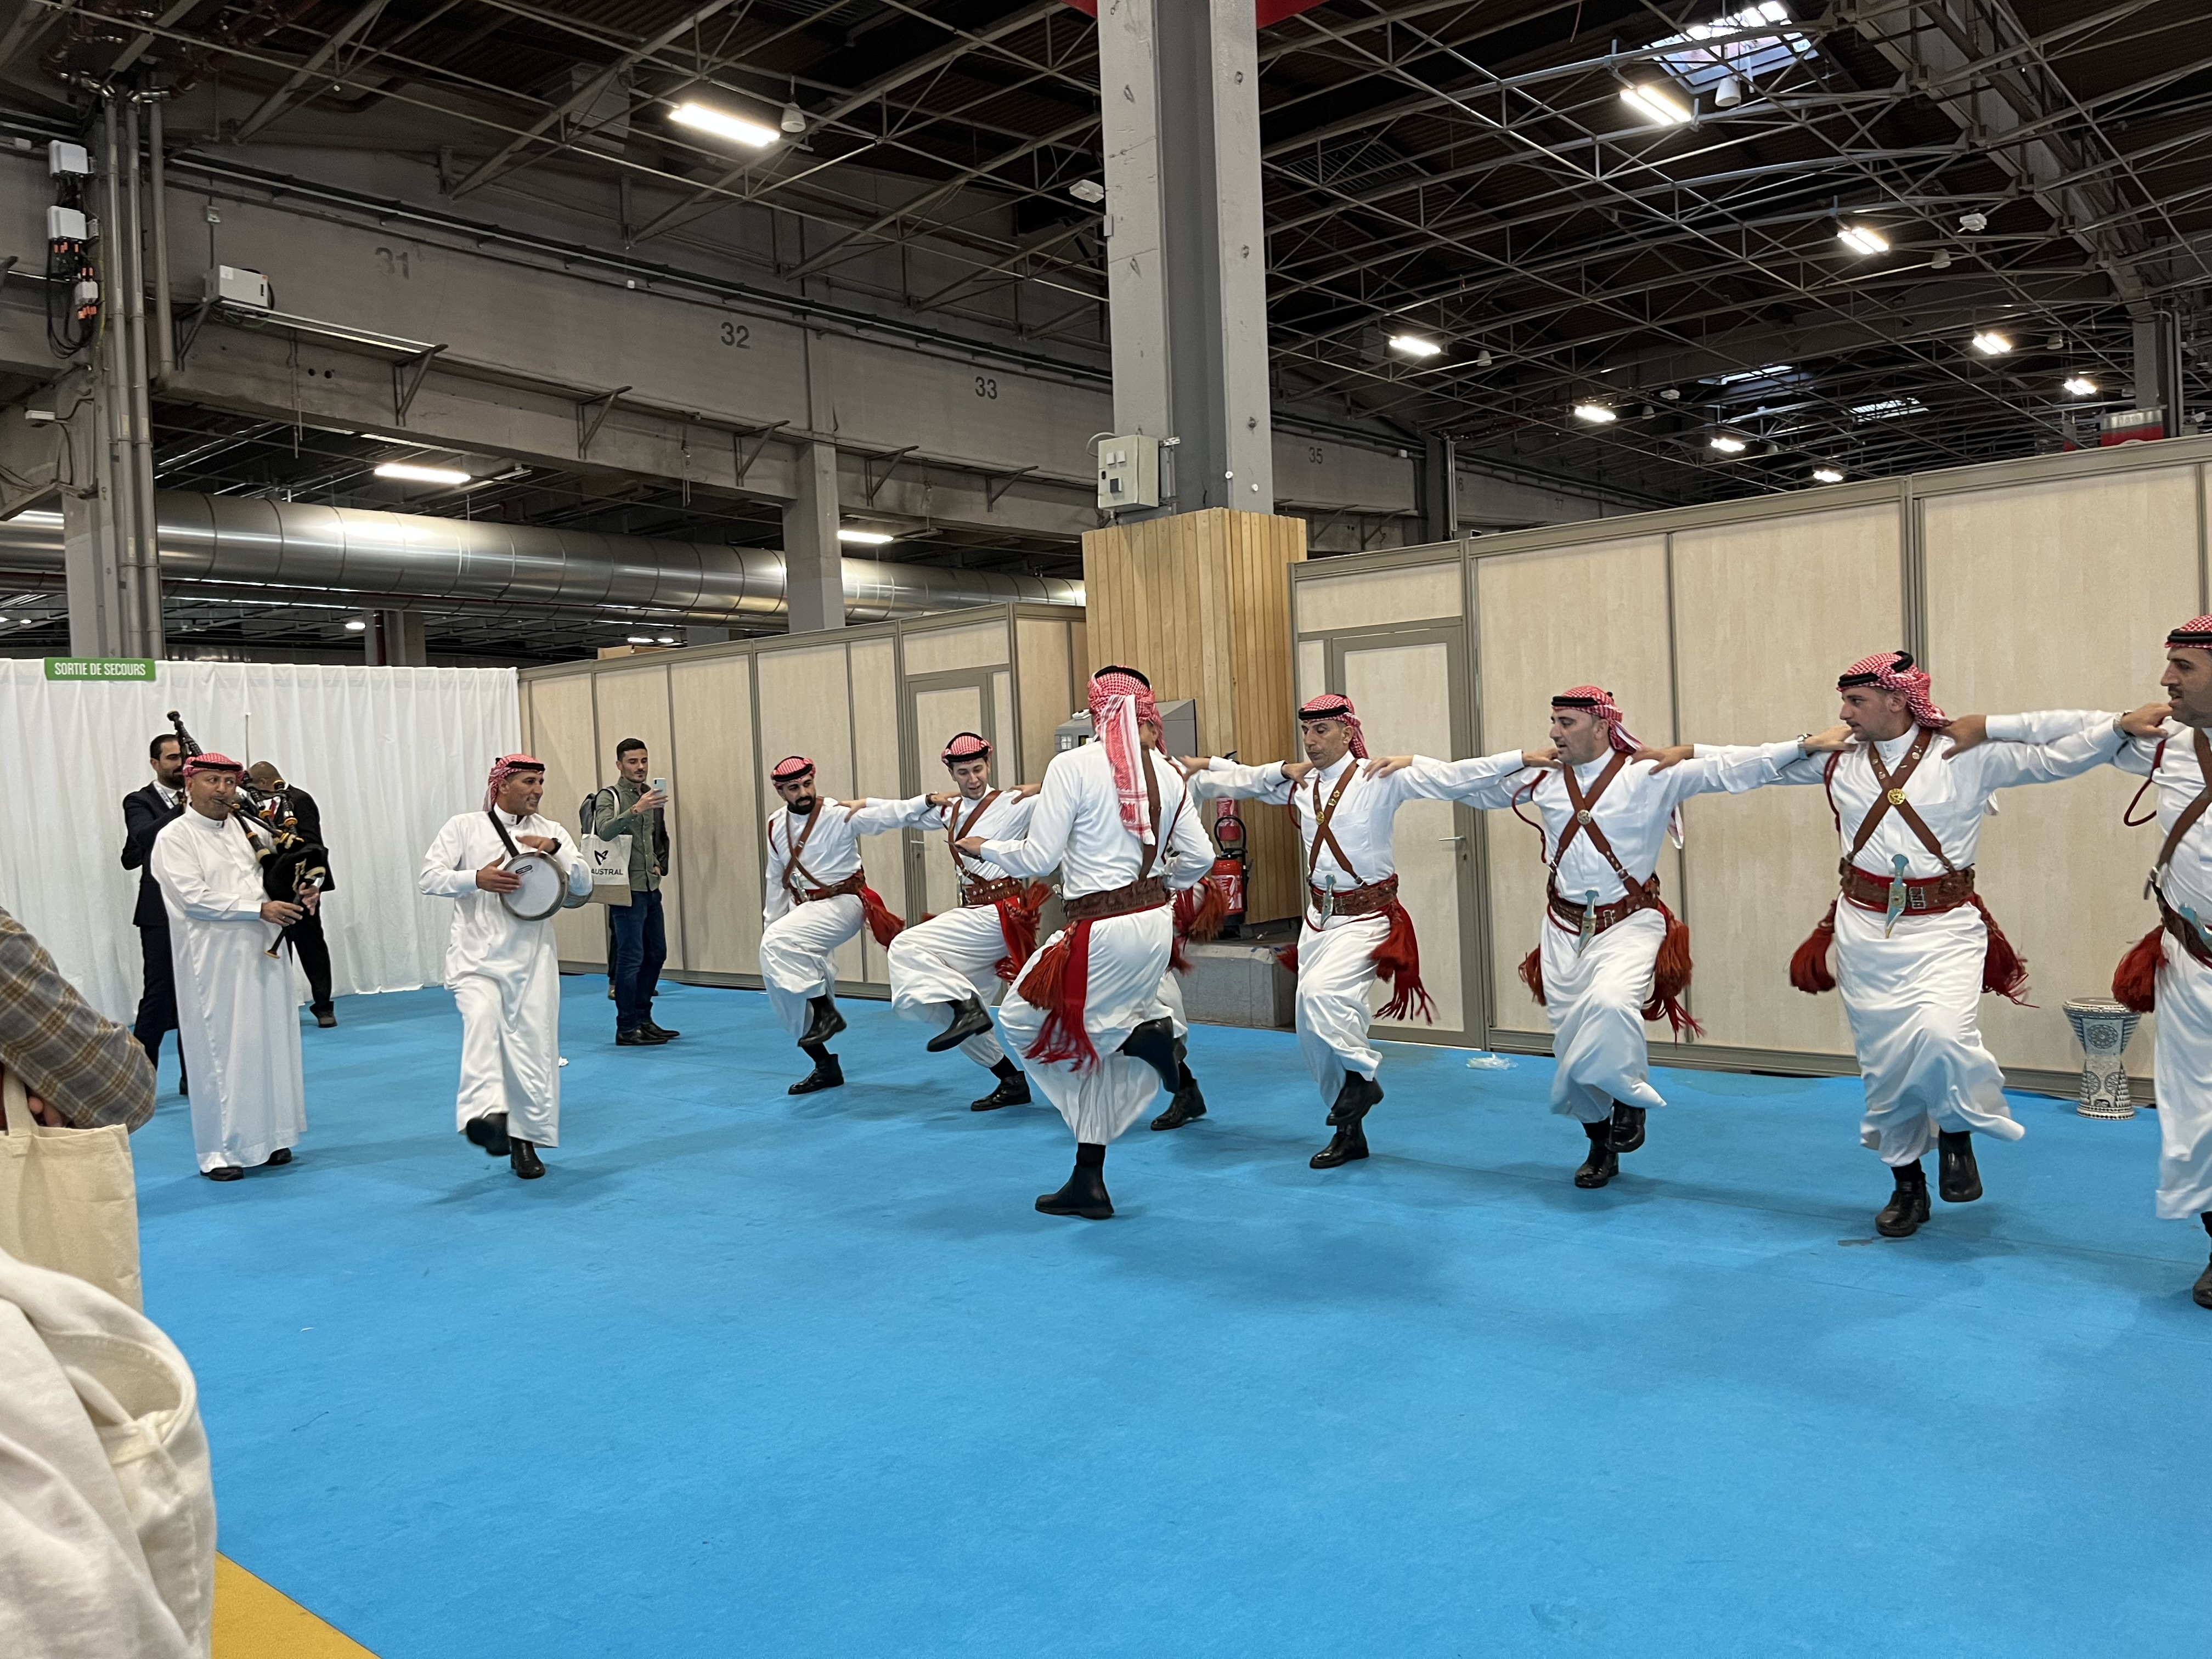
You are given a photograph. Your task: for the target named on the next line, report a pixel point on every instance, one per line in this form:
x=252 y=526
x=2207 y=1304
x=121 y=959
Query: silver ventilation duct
x=383 y=557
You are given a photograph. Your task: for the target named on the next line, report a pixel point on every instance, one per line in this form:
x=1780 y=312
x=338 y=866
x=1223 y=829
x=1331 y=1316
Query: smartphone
x=661 y=784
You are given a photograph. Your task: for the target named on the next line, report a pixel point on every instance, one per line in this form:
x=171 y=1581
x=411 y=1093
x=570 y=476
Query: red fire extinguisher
x=1229 y=868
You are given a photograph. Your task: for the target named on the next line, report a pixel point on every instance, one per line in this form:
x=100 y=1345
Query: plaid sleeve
x=86 y=1066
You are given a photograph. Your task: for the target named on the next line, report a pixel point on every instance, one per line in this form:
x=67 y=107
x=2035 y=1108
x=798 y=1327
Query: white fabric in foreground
x=106 y=1508
x=948 y=957
x=1129 y=958
x=1595 y=1000
x=795 y=949
x=386 y=753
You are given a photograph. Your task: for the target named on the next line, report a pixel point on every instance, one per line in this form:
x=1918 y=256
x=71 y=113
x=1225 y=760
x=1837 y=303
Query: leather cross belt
x=1925 y=895
x=1569 y=914
x=976 y=894
x=851 y=887
x=1368 y=899
x=1147 y=894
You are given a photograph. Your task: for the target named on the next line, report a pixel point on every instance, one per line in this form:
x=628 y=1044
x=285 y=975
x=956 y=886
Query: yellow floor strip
x=253 y=1621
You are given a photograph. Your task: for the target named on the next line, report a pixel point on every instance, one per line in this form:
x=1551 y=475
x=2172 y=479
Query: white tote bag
x=610 y=863
x=68 y=1198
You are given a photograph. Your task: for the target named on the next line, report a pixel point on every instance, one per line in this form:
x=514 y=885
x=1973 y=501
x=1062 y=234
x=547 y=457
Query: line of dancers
x=1093 y=1018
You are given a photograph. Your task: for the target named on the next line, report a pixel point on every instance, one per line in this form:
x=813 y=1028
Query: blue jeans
x=641 y=946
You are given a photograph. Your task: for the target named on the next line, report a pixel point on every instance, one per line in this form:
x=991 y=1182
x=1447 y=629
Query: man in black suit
x=315 y=951
x=145 y=813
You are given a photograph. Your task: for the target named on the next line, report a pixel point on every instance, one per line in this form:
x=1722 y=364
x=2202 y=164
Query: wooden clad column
x=1200 y=602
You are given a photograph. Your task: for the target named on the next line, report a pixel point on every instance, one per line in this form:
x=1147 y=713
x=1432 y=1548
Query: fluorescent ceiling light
x=413 y=474
x=356 y=626
x=1889 y=408
x=386 y=438
x=1863 y=239
x=1087 y=189
x=866 y=538
x=1827 y=475
x=1414 y=346
x=641 y=639
x=2077 y=384
x=1596 y=414
x=1991 y=345
x=37 y=515
x=664 y=639
x=1766 y=373
x=1726 y=445
x=1661 y=107
x=723 y=124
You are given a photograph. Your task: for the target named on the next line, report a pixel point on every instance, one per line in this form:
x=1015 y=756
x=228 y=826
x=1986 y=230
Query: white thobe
x=1076 y=826
x=1595 y=994
x=798 y=933
x=238 y=1017
x=2181 y=1063
x=1336 y=952
x=1914 y=995
x=505 y=975
x=957 y=955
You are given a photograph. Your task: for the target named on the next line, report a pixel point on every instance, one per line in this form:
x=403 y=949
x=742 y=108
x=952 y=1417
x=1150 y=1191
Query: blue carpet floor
x=746 y=1375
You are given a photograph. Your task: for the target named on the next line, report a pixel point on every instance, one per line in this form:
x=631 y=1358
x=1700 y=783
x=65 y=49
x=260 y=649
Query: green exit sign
x=100 y=668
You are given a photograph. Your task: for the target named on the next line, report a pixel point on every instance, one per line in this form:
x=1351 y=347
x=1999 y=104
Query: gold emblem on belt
x=1897 y=798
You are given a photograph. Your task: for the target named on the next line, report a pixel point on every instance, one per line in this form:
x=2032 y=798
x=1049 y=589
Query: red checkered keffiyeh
x=503 y=769
x=1599 y=702
x=790 y=770
x=210 y=761
x=1895 y=670
x=965 y=746
x=2197 y=632
x=1120 y=701
x=1333 y=706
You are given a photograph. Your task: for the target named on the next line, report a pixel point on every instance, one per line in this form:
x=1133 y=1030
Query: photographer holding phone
x=632 y=807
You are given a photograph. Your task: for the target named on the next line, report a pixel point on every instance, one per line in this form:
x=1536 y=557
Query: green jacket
x=613 y=812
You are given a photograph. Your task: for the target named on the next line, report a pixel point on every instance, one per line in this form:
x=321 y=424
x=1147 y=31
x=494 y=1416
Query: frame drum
x=544 y=886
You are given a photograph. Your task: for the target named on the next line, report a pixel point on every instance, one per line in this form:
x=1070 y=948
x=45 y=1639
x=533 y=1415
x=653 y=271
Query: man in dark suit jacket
x=145 y=813
x=314 y=950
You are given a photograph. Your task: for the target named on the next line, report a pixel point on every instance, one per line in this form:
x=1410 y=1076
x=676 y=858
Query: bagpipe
x=292 y=866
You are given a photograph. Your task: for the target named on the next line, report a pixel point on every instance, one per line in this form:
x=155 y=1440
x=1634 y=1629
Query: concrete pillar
x=2158 y=368
x=1440 y=491
x=92 y=560
x=394 y=640
x=813 y=563
x=705 y=635
x=1185 y=252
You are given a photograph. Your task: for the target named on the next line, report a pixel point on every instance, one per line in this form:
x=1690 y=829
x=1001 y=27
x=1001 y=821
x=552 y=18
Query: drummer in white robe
x=502 y=969
x=953 y=966
x=238 y=1012
x=1113 y=817
x=1913 y=949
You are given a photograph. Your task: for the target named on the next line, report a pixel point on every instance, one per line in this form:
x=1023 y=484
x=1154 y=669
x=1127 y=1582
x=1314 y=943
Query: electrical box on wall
x=239 y=286
x=64 y=225
x=67 y=161
x=1128 y=471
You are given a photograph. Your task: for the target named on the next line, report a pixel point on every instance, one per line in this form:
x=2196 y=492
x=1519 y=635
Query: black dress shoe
x=1188 y=1105
x=1359 y=1095
x=827 y=1074
x=1012 y=1092
x=2202 y=1293
x=282 y=1155
x=1958 y=1178
x=185 y=1086
x=826 y=1023
x=225 y=1172
x=323 y=1018
x=1627 y=1127
x=1348 y=1145
x=522 y=1158
x=639 y=1038
x=660 y=1031
x=1907 y=1208
x=1603 y=1163
x=489 y=1132
x=969 y=1020
x=1084 y=1195
x=1154 y=1043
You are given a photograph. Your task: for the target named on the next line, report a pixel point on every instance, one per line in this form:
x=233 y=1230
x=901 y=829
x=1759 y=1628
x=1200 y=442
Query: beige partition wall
x=635 y=703
x=2058 y=594
x=561 y=726
x=716 y=812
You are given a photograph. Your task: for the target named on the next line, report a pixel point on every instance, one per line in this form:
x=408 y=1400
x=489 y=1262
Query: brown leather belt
x=1366 y=900
x=976 y=894
x=2178 y=925
x=1149 y=894
x=1569 y=914
x=851 y=887
x=1925 y=895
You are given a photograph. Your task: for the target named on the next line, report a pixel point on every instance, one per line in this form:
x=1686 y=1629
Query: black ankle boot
x=1907 y=1208
x=2202 y=1291
x=1154 y=1043
x=1603 y=1163
x=826 y=1023
x=1627 y=1127
x=969 y=1020
x=827 y=1072
x=1189 y=1102
x=1013 y=1089
x=1084 y=1195
x=522 y=1158
x=489 y=1132
x=1348 y=1145
x=1359 y=1095
x=1957 y=1177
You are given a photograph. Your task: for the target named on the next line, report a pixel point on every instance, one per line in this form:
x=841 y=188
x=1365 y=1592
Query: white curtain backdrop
x=389 y=754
